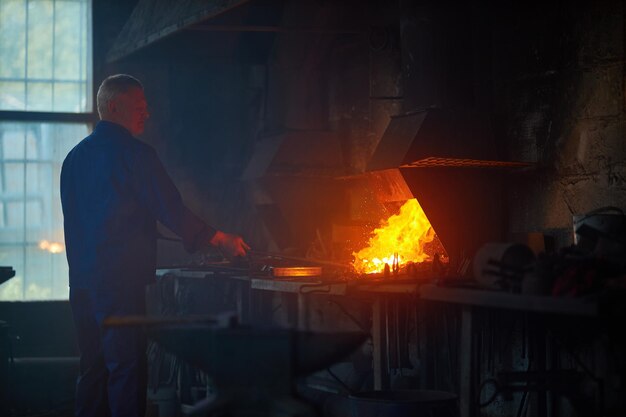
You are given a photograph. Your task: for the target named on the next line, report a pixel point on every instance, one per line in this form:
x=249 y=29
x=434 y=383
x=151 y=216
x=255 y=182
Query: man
x=113 y=190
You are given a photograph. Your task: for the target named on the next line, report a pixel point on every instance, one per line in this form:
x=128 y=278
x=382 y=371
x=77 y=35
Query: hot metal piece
x=297 y=271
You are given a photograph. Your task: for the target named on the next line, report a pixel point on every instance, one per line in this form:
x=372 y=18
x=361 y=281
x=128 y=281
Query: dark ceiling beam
x=274 y=29
x=153 y=20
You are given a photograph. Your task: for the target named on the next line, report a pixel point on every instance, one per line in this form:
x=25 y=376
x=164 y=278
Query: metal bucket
x=404 y=403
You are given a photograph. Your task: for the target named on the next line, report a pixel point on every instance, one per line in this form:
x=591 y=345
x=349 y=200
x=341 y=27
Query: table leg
x=465 y=361
x=303 y=312
x=244 y=301
x=379 y=340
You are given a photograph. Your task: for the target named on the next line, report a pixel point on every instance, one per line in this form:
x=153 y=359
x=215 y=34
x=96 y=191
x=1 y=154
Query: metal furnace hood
x=436 y=137
x=448 y=160
x=152 y=20
x=292 y=178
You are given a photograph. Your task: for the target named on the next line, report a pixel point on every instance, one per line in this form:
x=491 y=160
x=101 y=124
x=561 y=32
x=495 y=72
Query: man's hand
x=231 y=245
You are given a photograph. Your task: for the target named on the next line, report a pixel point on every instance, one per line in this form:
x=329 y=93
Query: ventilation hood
x=152 y=20
x=448 y=161
x=436 y=137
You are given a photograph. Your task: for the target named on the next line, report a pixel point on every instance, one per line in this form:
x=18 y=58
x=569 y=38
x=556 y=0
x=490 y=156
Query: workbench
x=381 y=293
x=470 y=299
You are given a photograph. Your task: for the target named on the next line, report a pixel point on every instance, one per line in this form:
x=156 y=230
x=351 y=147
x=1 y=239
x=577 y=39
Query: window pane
x=12 y=94
x=32 y=143
x=13 y=144
x=14 y=178
x=67 y=40
x=15 y=214
x=13 y=39
x=57 y=139
x=31 y=228
x=39 y=96
x=40 y=41
x=34 y=180
x=45 y=51
x=34 y=214
x=67 y=97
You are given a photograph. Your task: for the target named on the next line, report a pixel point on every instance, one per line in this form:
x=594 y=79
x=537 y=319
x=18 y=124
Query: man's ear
x=112 y=106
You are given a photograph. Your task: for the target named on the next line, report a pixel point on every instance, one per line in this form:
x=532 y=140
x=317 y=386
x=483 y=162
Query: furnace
x=443 y=169
x=432 y=194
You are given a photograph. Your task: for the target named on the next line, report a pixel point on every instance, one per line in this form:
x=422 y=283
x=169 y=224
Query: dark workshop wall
x=559 y=95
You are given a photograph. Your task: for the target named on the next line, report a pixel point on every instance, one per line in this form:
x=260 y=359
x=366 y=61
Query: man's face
x=130 y=110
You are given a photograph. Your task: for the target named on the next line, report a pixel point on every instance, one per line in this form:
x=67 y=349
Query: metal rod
x=297 y=259
x=125 y=321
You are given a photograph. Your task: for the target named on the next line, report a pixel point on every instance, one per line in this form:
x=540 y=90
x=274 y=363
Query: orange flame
x=404 y=234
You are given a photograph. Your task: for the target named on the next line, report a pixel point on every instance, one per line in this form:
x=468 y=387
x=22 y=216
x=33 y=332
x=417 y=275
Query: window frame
x=51 y=117
x=89 y=118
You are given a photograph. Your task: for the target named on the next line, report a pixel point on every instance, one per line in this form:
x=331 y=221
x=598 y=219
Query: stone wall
x=559 y=94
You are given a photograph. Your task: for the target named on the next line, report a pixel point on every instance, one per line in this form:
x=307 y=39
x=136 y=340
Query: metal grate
x=464 y=163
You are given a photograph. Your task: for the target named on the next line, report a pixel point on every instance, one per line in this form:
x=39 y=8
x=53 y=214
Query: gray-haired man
x=113 y=190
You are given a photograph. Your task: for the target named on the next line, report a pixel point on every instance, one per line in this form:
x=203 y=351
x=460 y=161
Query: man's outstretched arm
x=158 y=192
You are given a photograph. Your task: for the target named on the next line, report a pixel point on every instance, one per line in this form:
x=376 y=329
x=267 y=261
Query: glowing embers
x=401 y=239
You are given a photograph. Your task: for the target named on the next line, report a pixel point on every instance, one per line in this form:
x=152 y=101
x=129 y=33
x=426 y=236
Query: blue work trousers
x=112 y=381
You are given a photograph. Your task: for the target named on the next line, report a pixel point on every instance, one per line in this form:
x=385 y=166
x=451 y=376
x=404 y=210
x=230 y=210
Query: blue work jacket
x=113 y=190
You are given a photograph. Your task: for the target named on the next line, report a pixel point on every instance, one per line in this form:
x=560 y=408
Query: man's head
x=121 y=100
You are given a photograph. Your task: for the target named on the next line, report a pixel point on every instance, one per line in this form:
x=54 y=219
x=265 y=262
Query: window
x=45 y=55
x=45 y=80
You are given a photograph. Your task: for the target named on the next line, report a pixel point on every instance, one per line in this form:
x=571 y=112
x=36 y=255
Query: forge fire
x=400 y=240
